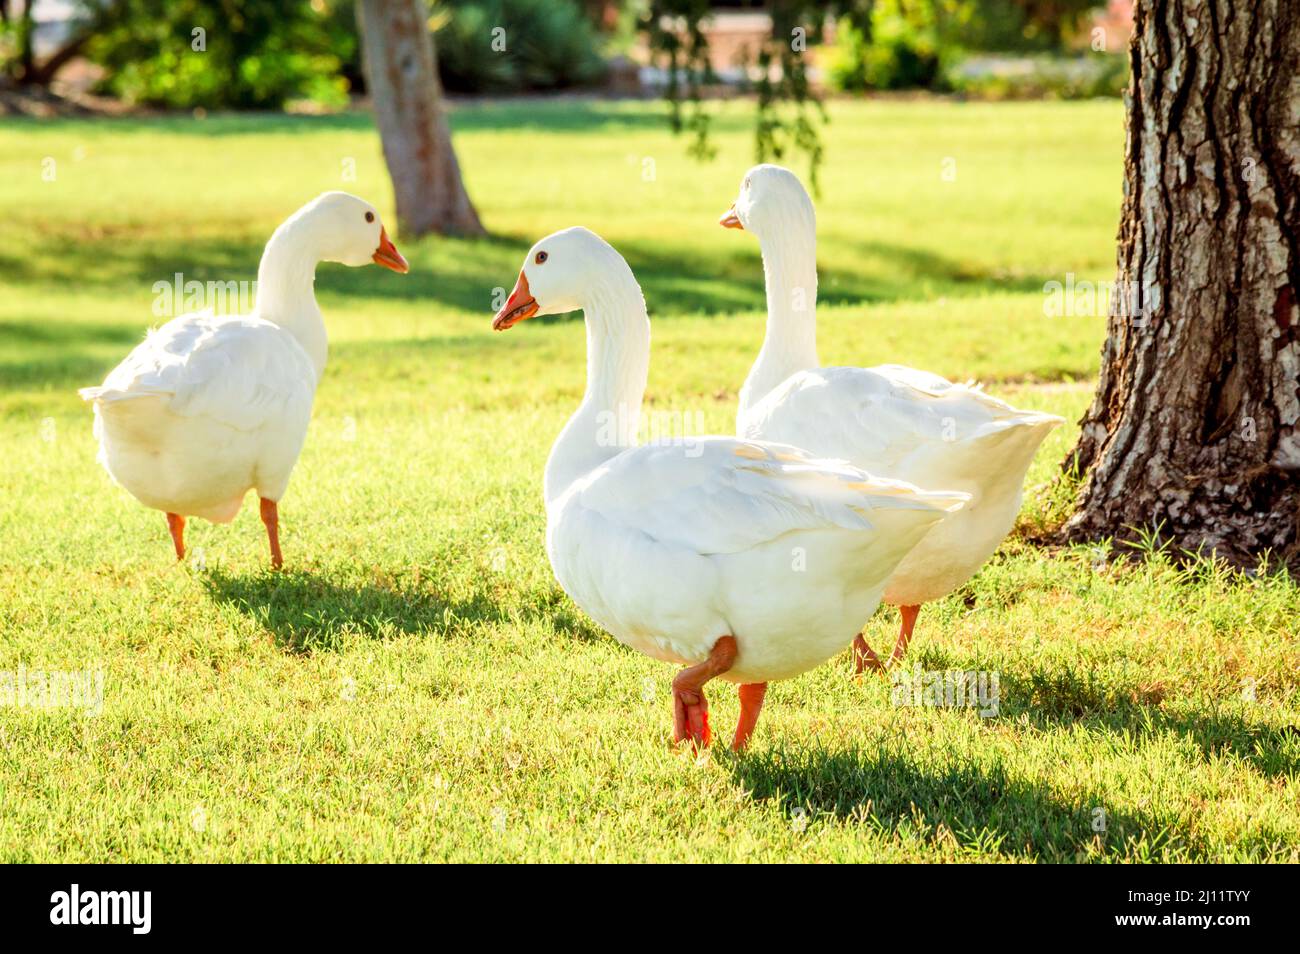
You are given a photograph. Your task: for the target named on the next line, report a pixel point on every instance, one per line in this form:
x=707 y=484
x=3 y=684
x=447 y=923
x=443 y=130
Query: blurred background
x=143 y=140
x=263 y=54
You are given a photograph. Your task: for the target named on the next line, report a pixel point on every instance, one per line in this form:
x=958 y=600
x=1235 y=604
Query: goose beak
x=388 y=256
x=520 y=306
x=730 y=220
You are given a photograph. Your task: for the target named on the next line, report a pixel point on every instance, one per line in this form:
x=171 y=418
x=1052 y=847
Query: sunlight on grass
x=416 y=686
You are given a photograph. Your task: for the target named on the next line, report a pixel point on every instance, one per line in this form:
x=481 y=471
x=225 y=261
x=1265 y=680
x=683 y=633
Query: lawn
x=415 y=686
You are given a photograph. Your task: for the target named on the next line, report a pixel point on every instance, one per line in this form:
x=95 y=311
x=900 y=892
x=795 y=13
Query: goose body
x=891 y=420
x=209 y=407
x=788 y=553
x=203 y=410
x=745 y=560
x=920 y=428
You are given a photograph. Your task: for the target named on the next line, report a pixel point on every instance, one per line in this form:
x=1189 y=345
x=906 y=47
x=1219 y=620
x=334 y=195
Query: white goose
x=744 y=560
x=208 y=407
x=890 y=419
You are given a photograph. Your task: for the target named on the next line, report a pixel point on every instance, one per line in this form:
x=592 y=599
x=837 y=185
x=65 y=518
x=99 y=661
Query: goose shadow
x=983 y=808
x=1130 y=709
x=311 y=612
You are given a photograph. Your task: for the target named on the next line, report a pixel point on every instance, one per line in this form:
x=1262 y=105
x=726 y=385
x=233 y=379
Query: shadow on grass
x=309 y=612
x=64 y=355
x=983 y=808
x=1100 y=702
x=463 y=273
x=577 y=114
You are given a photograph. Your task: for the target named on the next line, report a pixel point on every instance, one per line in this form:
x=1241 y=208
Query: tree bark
x=1196 y=423
x=402 y=77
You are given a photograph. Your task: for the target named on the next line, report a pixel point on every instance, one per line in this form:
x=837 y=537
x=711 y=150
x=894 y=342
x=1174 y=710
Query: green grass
x=416 y=686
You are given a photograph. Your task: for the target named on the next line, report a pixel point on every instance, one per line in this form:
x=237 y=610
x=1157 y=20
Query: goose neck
x=286 y=293
x=618 y=362
x=790 y=339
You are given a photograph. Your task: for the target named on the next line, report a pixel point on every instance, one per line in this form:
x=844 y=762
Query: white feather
x=889 y=419
x=672 y=546
x=208 y=407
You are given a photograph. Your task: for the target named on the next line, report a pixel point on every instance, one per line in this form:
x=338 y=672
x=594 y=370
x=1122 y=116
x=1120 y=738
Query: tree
x=787 y=105
x=402 y=76
x=20 y=67
x=1195 y=426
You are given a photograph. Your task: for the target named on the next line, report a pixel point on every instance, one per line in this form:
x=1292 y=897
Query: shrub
x=549 y=44
x=916 y=43
x=1042 y=77
x=259 y=54
x=904 y=51
x=254 y=55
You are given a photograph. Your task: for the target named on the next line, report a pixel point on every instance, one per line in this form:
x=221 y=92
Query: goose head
x=348 y=230
x=772 y=201
x=562 y=273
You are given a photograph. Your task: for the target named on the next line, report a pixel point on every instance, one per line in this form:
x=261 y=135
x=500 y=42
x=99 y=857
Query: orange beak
x=730 y=220
x=388 y=256
x=520 y=306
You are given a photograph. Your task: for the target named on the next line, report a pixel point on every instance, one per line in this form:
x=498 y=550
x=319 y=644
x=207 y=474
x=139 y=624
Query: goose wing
x=724 y=495
x=241 y=371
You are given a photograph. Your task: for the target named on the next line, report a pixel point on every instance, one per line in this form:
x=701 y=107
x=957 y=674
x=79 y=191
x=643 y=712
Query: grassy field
x=416 y=686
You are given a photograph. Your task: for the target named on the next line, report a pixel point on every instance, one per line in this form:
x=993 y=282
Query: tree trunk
x=44 y=74
x=402 y=77
x=24 y=38
x=1196 y=421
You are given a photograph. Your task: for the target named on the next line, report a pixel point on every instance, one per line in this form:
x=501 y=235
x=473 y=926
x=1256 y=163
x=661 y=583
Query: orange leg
x=176 y=524
x=908 y=613
x=271 y=517
x=690 y=708
x=864 y=657
x=751 y=704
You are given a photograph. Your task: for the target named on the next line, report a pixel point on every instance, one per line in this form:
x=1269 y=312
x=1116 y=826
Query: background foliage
x=910 y=44
x=262 y=54
x=550 y=44
x=258 y=54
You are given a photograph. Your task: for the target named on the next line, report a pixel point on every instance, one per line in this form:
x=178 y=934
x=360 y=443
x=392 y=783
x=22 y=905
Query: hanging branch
x=677 y=40
x=675 y=35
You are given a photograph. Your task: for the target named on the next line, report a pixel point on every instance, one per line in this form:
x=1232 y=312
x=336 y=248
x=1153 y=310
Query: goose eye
x=746 y=183
x=540 y=258
x=370 y=216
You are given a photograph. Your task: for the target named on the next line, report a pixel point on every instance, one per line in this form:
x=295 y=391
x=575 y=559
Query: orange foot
x=271 y=517
x=908 y=616
x=751 y=704
x=690 y=707
x=176 y=524
x=864 y=657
